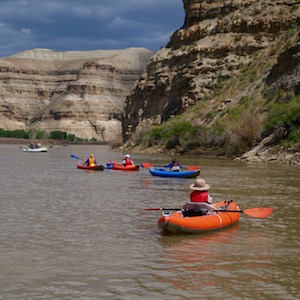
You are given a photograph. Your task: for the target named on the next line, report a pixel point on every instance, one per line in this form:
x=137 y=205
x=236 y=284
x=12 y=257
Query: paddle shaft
x=258 y=212
x=224 y=210
x=166 y=208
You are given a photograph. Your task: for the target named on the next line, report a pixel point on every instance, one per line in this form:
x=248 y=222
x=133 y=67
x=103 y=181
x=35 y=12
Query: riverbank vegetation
x=236 y=116
x=41 y=135
x=234 y=131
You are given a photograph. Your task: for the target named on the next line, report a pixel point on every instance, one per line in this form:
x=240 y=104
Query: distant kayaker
x=110 y=164
x=127 y=161
x=200 y=191
x=174 y=166
x=91 y=161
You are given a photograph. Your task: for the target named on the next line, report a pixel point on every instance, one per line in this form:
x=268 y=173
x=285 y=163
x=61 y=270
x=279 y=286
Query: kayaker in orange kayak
x=127 y=161
x=91 y=161
x=200 y=191
x=201 y=199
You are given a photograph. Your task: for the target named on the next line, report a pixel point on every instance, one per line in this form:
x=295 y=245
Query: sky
x=82 y=25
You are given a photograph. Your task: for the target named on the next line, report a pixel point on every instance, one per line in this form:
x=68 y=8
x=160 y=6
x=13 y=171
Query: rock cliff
x=213 y=51
x=81 y=93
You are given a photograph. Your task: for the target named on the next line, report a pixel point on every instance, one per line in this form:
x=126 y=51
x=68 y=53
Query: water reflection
x=215 y=263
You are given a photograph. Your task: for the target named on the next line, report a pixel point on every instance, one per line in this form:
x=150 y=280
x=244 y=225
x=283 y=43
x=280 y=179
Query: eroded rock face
x=81 y=93
x=216 y=41
x=286 y=73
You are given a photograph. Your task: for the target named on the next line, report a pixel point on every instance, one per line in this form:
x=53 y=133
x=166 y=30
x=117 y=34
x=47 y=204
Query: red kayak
x=117 y=166
x=80 y=165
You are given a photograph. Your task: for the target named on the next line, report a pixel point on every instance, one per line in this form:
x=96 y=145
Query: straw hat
x=200 y=185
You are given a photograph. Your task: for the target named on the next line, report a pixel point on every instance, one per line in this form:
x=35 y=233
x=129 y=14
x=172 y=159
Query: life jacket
x=199 y=196
x=92 y=162
x=175 y=168
x=128 y=161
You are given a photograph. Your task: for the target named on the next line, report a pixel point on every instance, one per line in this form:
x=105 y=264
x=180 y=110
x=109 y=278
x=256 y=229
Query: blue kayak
x=181 y=174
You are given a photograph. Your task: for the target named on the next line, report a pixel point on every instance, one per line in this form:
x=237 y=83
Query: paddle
x=147 y=165
x=257 y=212
x=159 y=208
x=76 y=157
x=192 y=167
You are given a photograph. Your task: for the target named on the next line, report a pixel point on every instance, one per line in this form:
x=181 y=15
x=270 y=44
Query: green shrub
x=246 y=130
x=2 y=132
x=19 y=133
x=40 y=134
x=58 y=135
x=283 y=112
x=294 y=136
x=172 y=133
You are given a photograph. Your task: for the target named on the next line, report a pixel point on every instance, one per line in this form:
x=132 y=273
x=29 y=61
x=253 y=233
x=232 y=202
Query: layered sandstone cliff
x=218 y=41
x=81 y=93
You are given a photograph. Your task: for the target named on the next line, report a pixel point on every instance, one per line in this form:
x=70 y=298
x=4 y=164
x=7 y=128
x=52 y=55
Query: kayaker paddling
x=200 y=200
x=200 y=191
x=174 y=166
x=91 y=161
x=127 y=161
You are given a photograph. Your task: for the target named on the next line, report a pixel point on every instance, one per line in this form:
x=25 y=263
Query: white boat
x=35 y=150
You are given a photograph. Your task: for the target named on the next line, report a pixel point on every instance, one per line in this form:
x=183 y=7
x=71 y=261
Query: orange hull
x=125 y=168
x=113 y=165
x=176 y=222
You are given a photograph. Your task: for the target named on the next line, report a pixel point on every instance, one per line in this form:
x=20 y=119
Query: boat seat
x=192 y=209
x=198 y=205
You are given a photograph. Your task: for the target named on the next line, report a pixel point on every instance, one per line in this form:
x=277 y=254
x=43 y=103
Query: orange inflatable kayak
x=80 y=165
x=117 y=166
x=187 y=220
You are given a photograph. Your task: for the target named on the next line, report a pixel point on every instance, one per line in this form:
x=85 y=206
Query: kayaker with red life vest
x=91 y=161
x=127 y=161
x=200 y=191
x=174 y=166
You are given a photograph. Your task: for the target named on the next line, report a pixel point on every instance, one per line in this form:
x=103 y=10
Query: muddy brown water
x=76 y=234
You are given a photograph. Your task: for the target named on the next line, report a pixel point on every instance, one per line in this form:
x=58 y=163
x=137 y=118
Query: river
x=77 y=234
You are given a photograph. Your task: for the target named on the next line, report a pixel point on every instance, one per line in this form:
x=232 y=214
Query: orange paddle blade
x=147 y=165
x=258 y=212
x=193 y=168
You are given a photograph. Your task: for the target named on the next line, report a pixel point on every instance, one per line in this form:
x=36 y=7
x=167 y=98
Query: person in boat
x=127 y=161
x=110 y=164
x=174 y=166
x=91 y=161
x=200 y=200
x=200 y=191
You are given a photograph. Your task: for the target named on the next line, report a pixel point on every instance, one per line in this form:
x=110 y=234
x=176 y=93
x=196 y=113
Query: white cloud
x=26 y=31
x=119 y=22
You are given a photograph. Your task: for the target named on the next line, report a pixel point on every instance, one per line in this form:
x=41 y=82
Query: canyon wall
x=81 y=93
x=216 y=43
